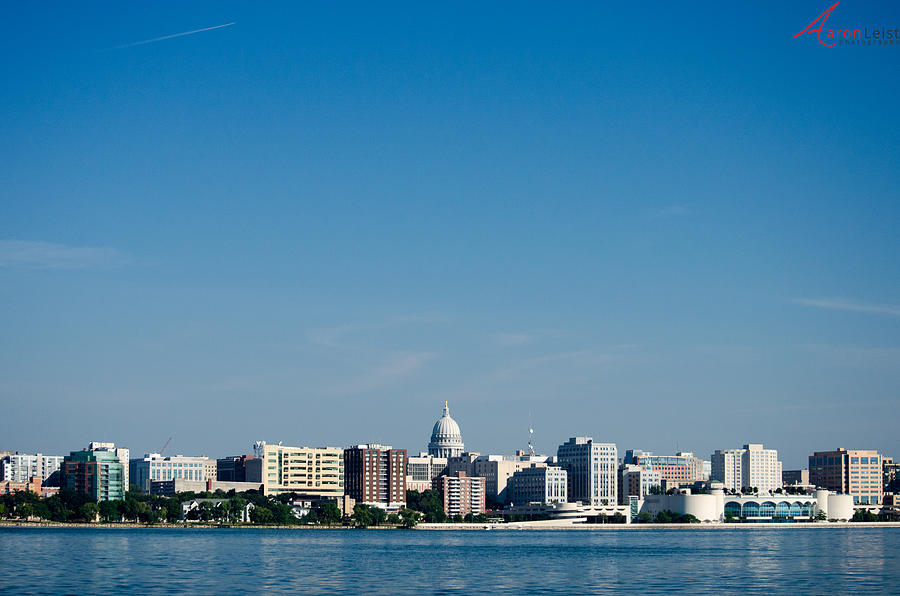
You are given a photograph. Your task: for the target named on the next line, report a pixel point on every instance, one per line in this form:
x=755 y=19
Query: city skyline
x=316 y=224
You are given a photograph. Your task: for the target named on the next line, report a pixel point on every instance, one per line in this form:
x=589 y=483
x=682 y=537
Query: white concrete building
x=422 y=469
x=154 y=466
x=538 y=484
x=749 y=467
x=22 y=467
x=592 y=470
x=717 y=506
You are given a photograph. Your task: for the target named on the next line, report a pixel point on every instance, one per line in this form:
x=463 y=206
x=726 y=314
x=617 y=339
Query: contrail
x=140 y=43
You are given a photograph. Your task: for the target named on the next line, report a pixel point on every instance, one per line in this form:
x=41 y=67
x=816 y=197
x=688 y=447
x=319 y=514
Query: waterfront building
x=169 y=488
x=460 y=494
x=749 y=467
x=97 y=474
x=592 y=470
x=154 y=467
x=464 y=462
x=308 y=471
x=376 y=475
x=232 y=469
x=890 y=475
x=498 y=469
x=446 y=438
x=675 y=470
x=22 y=467
x=716 y=506
x=121 y=453
x=538 y=483
x=856 y=472
x=637 y=481
x=194 y=504
x=795 y=477
x=422 y=469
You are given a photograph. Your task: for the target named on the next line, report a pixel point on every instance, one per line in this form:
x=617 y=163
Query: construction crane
x=164 y=446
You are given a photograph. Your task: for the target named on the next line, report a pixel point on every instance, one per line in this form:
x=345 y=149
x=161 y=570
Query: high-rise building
x=22 y=467
x=122 y=453
x=890 y=474
x=446 y=438
x=637 y=481
x=460 y=494
x=232 y=469
x=855 y=472
x=376 y=475
x=422 y=469
x=592 y=470
x=498 y=469
x=97 y=474
x=751 y=467
x=153 y=467
x=538 y=483
x=675 y=470
x=311 y=472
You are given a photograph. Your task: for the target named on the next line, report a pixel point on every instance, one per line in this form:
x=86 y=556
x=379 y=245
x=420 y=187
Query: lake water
x=160 y=561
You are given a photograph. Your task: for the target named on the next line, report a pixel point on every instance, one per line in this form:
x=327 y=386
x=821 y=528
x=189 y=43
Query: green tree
x=261 y=515
x=173 y=510
x=410 y=518
x=25 y=510
x=88 y=512
x=362 y=515
x=109 y=511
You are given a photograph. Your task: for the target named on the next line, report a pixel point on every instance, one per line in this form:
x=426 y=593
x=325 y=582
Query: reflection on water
x=762 y=561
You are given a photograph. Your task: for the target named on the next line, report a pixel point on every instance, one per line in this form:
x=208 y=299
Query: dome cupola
x=446 y=439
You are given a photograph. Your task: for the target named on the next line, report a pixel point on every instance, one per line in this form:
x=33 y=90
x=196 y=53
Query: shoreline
x=468 y=527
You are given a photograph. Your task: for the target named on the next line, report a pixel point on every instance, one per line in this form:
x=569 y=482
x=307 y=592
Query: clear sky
x=657 y=225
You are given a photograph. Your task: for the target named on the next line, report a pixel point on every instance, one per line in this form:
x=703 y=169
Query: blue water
x=157 y=561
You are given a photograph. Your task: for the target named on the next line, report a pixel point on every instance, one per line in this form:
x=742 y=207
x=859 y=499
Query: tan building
x=422 y=469
x=855 y=472
x=461 y=494
x=498 y=469
x=308 y=471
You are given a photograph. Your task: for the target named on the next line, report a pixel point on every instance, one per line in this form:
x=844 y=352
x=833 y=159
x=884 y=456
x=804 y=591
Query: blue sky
x=664 y=226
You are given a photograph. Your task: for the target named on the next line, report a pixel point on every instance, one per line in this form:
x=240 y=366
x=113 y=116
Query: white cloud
x=47 y=255
x=848 y=305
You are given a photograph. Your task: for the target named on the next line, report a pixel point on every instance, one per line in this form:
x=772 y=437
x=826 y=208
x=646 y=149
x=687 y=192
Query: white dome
x=446 y=438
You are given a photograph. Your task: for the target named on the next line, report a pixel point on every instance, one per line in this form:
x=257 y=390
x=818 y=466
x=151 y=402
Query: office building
x=422 y=469
x=97 y=474
x=751 y=468
x=675 y=470
x=638 y=481
x=855 y=472
x=121 y=453
x=312 y=472
x=154 y=467
x=232 y=469
x=891 y=475
x=538 y=483
x=592 y=470
x=22 y=467
x=376 y=475
x=460 y=494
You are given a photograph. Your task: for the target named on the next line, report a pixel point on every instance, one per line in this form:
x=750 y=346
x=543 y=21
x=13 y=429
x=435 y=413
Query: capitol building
x=446 y=439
